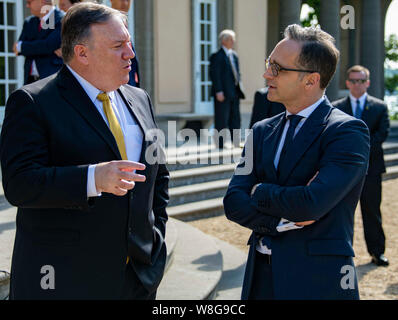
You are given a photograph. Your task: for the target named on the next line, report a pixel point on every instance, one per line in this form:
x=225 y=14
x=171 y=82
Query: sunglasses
x=276 y=68
x=354 y=81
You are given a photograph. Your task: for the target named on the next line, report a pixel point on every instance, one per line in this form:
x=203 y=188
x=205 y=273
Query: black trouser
x=262 y=287
x=133 y=288
x=226 y=116
x=371 y=215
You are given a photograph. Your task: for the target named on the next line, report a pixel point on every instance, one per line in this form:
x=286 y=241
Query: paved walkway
x=7 y=231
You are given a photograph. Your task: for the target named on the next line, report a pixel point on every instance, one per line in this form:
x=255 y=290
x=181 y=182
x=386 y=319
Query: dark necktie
x=293 y=122
x=358 y=110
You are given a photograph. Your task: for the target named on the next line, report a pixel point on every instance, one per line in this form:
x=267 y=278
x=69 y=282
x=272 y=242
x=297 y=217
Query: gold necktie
x=113 y=124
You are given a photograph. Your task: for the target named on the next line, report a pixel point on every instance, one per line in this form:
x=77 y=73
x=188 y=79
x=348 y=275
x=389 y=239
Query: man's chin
x=271 y=97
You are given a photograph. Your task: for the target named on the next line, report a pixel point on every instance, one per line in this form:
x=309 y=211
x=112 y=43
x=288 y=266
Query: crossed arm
x=342 y=166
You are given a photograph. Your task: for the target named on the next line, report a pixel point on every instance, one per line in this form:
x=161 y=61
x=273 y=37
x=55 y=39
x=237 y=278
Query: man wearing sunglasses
x=374 y=113
x=309 y=164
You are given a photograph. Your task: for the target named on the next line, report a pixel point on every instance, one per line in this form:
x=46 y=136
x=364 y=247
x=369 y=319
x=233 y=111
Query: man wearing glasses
x=374 y=113
x=309 y=165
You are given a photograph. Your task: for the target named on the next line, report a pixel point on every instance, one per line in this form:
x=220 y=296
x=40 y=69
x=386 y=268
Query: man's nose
x=268 y=74
x=129 y=54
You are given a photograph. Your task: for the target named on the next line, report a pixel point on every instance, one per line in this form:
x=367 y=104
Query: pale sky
x=392 y=18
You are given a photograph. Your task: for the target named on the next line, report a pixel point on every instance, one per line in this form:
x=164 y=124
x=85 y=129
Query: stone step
x=234 y=264
x=390 y=147
x=392 y=173
x=197 y=209
x=391 y=159
x=171 y=241
x=197 y=192
x=203 y=174
x=4 y=285
x=207 y=158
x=196 y=269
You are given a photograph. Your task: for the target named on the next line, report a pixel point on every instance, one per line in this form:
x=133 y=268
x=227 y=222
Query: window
x=205 y=44
x=11 y=73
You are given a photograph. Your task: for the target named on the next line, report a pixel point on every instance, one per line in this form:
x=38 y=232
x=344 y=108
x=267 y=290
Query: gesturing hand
x=117 y=177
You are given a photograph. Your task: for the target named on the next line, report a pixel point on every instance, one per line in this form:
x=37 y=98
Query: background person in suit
x=374 y=113
x=313 y=181
x=263 y=108
x=134 y=79
x=226 y=88
x=39 y=40
x=70 y=147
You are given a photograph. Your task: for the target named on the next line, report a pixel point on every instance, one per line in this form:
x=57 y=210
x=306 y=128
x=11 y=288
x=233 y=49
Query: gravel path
x=376 y=283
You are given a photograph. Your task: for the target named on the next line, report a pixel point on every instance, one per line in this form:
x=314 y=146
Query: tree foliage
x=391 y=45
x=391 y=83
x=314 y=14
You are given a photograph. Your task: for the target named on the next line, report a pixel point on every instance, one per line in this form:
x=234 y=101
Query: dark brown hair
x=76 y=24
x=318 y=51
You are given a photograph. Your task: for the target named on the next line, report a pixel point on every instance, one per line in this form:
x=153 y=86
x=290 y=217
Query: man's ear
x=312 y=79
x=81 y=53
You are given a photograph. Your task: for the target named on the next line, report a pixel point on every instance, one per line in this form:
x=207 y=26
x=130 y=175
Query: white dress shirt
x=133 y=136
x=362 y=102
x=305 y=113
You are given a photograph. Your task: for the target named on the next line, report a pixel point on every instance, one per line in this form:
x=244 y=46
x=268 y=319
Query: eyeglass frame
x=355 y=81
x=280 y=68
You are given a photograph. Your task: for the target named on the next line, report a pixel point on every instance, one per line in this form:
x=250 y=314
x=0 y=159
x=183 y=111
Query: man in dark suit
x=124 y=6
x=263 y=108
x=91 y=210
x=40 y=38
x=309 y=165
x=226 y=88
x=374 y=113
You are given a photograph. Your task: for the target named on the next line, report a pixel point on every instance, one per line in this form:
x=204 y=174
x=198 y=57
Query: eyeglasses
x=276 y=68
x=354 y=81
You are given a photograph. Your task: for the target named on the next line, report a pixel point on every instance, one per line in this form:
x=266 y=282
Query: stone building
x=174 y=38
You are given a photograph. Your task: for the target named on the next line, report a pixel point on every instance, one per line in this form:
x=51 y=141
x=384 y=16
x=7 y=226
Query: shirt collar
x=227 y=51
x=362 y=99
x=91 y=91
x=305 y=113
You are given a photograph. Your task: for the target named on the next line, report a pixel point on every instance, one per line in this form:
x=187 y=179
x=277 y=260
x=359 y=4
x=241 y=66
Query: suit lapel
x=270 y=145
x=77 y=98
x=347 y=108
x=366 y=110
x=309 y=132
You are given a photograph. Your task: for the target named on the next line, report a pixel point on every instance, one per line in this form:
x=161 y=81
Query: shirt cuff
x=19 y=46
x=91 y=189
x=286 y=225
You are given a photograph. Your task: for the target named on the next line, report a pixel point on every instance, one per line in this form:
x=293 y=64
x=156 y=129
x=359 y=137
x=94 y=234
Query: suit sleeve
x=381 y=134
x=44 y=46
x=161 y=192
x=238 y=197
x=343 y=165
x=215 y=73
x=22 y=36
x=29 y=180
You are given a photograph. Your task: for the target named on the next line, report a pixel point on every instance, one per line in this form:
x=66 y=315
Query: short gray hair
x=318 y=51
x=226 y=34
x=76 y=25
